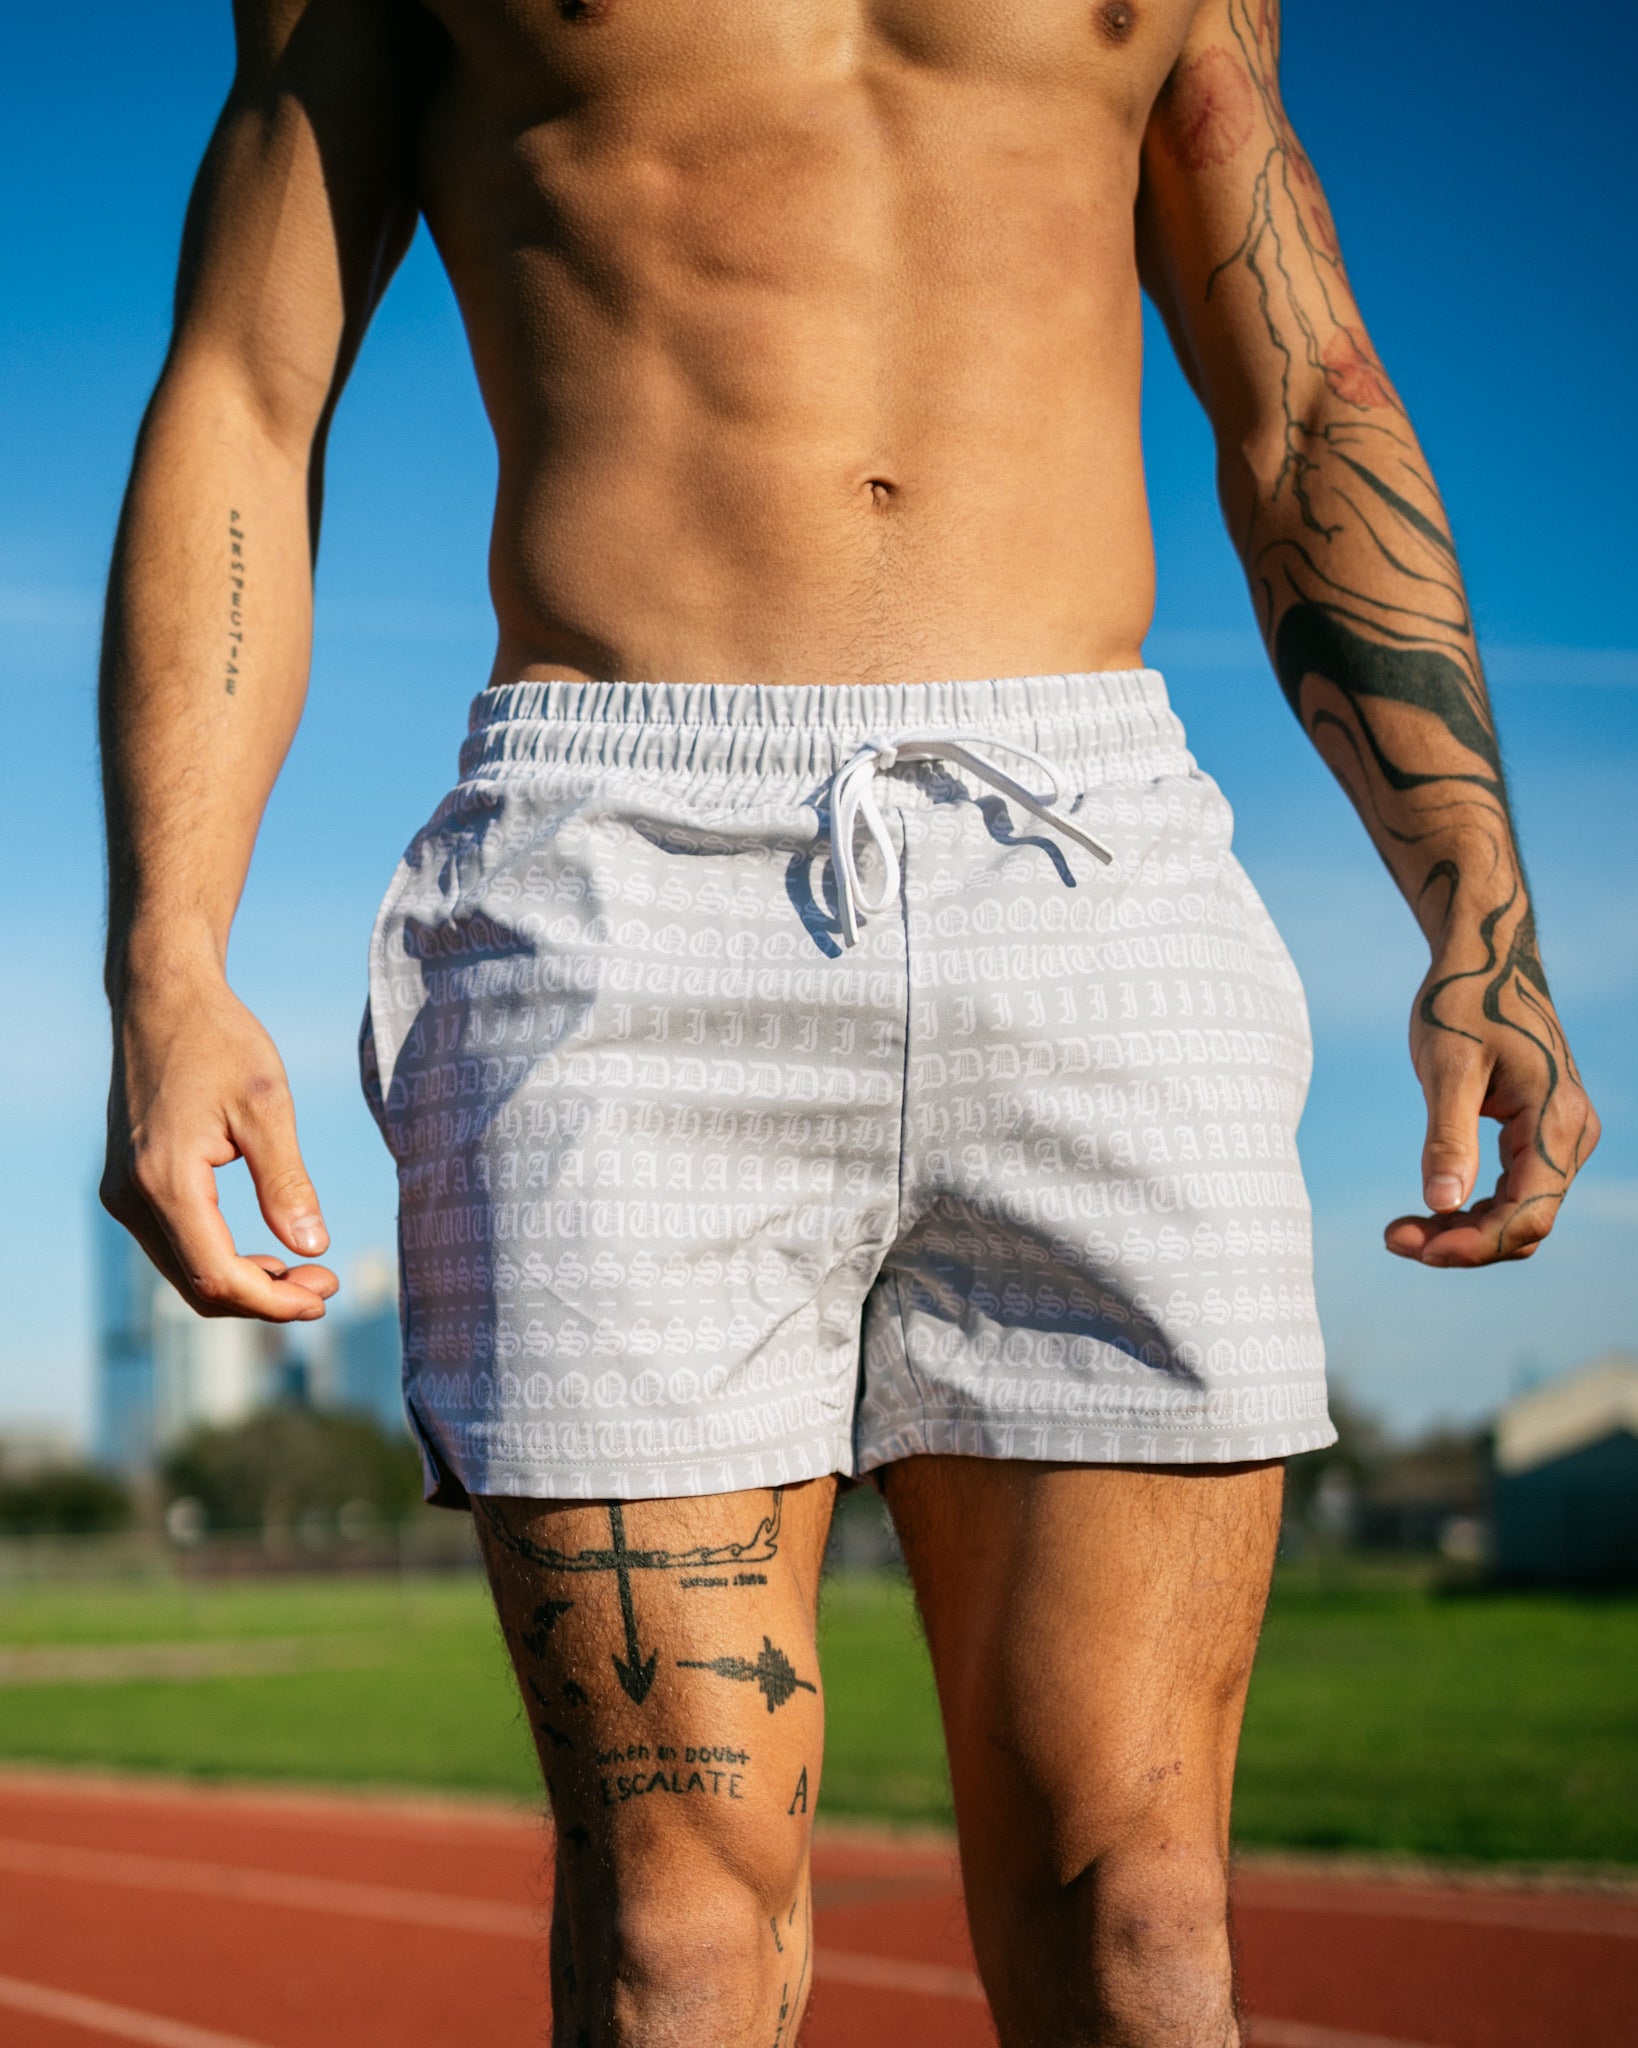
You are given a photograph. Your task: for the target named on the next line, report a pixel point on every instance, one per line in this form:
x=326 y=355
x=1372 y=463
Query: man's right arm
x=1353 y=570
x=303 y=206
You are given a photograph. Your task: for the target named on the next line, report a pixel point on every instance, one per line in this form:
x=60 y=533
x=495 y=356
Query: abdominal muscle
x=823 y=369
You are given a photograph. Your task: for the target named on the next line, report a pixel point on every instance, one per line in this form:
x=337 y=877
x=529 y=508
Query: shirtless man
x=753 y=1003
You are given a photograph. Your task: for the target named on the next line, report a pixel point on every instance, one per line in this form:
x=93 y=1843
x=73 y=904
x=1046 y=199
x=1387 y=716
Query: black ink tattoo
x=713 y=1770
x=236 y=602
x=1354 y=574
x=790 y=2001
x=634 y=1670
x=771 y=1671
x=676 y=1780
x=799 y=1798
x=541 y=1623
x=549 y=1729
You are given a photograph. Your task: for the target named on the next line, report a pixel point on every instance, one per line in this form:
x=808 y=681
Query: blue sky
x=1481 y=161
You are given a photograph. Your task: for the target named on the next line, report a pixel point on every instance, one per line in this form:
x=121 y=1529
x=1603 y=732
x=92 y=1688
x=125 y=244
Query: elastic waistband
x=757 y=731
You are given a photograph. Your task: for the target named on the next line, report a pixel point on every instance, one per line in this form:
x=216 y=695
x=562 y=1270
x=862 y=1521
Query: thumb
x=1455 y=1088
x=266 y=1135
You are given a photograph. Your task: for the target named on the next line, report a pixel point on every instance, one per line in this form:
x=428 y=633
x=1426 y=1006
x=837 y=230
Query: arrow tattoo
x=635 y=1671
x=772 y=1672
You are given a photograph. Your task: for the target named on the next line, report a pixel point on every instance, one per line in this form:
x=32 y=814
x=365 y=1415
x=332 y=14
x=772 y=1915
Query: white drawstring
x=852 y=797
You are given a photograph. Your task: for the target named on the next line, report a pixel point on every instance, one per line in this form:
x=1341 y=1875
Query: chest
x=580 y=50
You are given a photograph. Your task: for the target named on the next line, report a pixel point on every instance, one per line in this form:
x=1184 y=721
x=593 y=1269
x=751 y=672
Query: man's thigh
x=666 y=1655
x=1092 y=1631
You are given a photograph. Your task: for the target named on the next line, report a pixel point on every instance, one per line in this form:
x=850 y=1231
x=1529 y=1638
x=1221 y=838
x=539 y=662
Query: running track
x=232 y=1919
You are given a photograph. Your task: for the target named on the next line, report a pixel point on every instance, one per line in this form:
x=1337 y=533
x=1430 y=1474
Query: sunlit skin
x=810 y=335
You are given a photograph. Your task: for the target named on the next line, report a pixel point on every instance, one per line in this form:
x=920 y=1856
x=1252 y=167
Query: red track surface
x=184 y=1919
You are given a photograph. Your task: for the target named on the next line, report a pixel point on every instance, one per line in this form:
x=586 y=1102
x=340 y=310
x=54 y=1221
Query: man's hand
x=1472 y=1063
x=198 y=1083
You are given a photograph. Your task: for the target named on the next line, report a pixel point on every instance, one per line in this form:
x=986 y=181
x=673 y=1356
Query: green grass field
x=1383 y=1717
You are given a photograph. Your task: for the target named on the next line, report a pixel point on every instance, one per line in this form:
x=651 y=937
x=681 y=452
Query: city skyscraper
x=162 y=1370
x=358 y=1364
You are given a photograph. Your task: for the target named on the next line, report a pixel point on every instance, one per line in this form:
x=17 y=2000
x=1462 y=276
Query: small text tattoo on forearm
x=236 y=601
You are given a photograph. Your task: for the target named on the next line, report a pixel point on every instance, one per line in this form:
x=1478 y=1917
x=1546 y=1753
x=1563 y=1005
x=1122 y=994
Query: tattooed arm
x=1353 y=573
x=301 y=209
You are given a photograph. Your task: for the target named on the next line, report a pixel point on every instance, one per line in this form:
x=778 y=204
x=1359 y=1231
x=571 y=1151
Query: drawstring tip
x=1082 y=837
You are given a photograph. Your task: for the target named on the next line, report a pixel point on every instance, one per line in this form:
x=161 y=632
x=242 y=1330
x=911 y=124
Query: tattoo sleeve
x=1337 y=520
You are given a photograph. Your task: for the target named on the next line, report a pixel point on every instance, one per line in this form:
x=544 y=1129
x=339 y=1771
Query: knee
x=692 y=1960
x=1159 y=1956
x=1138 y=1957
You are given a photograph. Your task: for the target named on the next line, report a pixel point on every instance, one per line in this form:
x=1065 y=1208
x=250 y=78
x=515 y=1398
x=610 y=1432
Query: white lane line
x=894 y=1973
x=122 y=2022
x=270 y=1888
x=1298 y=2034
x=444 y=1910
x=1528 y=1913
x=885 y=1973
x=362 y=1810
x=880 y=1973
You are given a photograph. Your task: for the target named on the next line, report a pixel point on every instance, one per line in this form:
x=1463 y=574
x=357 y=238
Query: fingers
x=1455 y=1082
x=129 y=1207
x=1540 y=1155
x=264 y=1129
x=317 y=1280
x=1454 y=1077
x=122 y=1201
x=1492 y=1230
x=1475 y=1058
x=198 y=1083
x=211 y=1274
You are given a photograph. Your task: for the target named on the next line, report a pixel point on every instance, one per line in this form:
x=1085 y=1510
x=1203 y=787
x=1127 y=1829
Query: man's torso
x=810 y=329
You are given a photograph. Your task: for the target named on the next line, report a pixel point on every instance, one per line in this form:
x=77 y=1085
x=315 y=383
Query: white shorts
x=721 y=1167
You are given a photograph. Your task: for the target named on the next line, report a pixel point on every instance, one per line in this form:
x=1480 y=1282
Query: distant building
x=161 y=1370
x=30 y=1447
x=1419 y=1495
x=122 y=1431
x=1566 y=1479
x=358 y=1363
